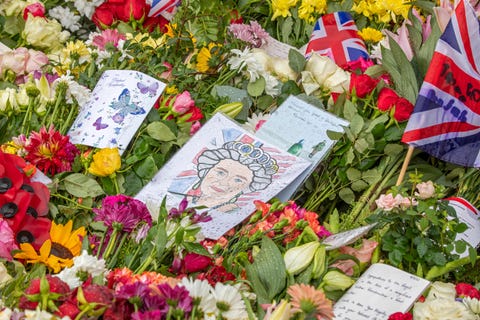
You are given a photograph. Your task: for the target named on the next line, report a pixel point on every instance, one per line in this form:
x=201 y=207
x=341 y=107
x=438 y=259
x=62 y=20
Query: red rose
x=103 y=16
x=400 y=316
x=195 y=114
x=151 y=23
x=386 y=99
x=362 y=84
x=403 y=110
x=132 y=10
x=194 y=262
x=467 y=290
x=36 y=9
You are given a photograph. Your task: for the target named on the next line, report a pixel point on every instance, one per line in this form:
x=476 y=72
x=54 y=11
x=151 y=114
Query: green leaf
x=256 y=88
x=460 y=246
x=160 y=131
x=371 y=176
x=353 y=174
x=146 y=169
x=296 y=60
x=82 y=186
x=422 y=247
x=393 y=149
x=356 y=124
x=160 y=240
x=268 y=271
x=347 y=195
x=439 y=259
x=359 y=185
x=196 y=248
x=361 y=145
x=349 y=110
x=334 y=135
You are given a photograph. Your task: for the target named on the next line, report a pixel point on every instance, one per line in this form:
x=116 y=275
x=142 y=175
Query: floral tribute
x=75 y=243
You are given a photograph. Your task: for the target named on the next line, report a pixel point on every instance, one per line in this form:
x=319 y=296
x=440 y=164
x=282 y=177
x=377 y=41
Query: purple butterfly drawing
x=99 y=125
x=124 y=107
x=148 y=89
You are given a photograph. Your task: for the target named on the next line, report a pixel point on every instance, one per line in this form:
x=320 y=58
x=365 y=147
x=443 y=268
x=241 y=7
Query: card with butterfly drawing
x=117 y=107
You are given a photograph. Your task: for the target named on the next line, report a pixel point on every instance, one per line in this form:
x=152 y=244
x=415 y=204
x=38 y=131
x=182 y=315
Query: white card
x=117 y=107
x=469 y=215
x=225 y=168
x=380 y=291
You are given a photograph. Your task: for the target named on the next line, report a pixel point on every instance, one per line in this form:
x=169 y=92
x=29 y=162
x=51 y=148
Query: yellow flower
x=58 y=251
x=204 y=57
x=170 y=28
x=146 y=40
x=171 y=90
x=310 y=9
x=282 y=8
x=105 y=162
x=396 y=8
x=370 y=34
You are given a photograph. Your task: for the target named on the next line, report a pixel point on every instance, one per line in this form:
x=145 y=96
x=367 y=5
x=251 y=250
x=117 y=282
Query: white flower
x=69 y=276
x=6 y=314
x=4 y=276
x=442 y=309
x=246 y=59
x=201 y=291
x=425 y=190
x=229 y=302
x=80 y=93
x=442 y=290
x=272 y=85
x=472 y=304
x=67 y=18
x=87 y=7
x=40 y=315
x=255 y=122
x=82 y=263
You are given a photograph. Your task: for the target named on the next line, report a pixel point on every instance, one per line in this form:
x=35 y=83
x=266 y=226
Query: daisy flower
x=200 y=291
x=229 y=302
x=309 y=301
x=255 y=122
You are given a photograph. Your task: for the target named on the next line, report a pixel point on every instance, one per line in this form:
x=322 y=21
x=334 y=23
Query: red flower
x=35 y=9
x=400 y=316
x=194 y=262
x=360 y=64
x=467 y=290
x=120 y=10
x=235 y=17
x=103 y=16
x=151 y=23
x=216 y=274
x=403 y=110
x=386 y=99
x=68 y=309
x=362 y=84
x=195 y=114
x=55 y=285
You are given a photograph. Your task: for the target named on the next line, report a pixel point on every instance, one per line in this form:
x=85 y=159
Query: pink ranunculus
x=425 y=190
x=195 y=127
x=35 y=60
x=386 y=202
x=14 y=60
x=364 y=253
x=7 y=240
x=183 y=103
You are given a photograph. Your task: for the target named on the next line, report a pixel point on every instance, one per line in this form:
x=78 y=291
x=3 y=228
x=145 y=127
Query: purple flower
x=253 y=33
x=123 y=210
x=132 y=290
x=177 y=297
x=153 y=314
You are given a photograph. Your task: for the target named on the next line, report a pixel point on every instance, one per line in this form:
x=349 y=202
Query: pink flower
x=402 y=38
x=35 y=60
x=35 y=9
x=14 y=60
x=425 y=190
x=7 y=240
x=183 y=103
x=467 y=290
x=195 y=127
x=346 y=266
x=167 y=74
x=364 y=253
x=107 y=36
x=386 y=202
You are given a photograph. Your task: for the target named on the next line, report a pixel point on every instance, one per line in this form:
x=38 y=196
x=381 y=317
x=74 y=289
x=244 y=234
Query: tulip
x=298 y=258
x=336 y=280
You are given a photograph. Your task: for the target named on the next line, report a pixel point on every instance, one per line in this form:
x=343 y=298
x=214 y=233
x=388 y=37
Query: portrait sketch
x=223 y=169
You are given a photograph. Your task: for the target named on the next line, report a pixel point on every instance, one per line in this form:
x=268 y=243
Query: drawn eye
x=238 y=180
x=221 y=173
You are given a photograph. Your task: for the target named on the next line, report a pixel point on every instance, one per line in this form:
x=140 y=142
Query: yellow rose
x=44 y=34
x=105 y=162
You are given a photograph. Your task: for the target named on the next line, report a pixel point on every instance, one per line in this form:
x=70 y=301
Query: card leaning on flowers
x=221 y=159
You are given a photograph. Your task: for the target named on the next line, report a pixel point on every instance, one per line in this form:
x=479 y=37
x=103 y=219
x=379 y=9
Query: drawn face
x=225 y=180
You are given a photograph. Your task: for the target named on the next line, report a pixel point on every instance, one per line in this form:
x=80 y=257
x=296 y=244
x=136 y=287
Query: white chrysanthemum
x=472 y=304
x=87 y=7
x=255 y=122
x=201 y=292
x=80 y=93
x=67 y=18
x=229 y=302
x=40 y=315
x=83 y=263
x=442 y=309
x=246 y=59
x=272 y=86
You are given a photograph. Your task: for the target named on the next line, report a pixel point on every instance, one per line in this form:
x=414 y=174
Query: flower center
x=8 y=210
x=45 y=151
x=24 y=237
x=223 y=306
x=60 y=251
x=5 y=184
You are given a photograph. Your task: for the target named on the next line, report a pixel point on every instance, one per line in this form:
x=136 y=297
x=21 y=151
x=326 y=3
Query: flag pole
x=405 y=165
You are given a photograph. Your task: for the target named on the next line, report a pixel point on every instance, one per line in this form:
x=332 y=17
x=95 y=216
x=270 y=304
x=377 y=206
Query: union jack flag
x=446 y=119
x=165 y=8
x=335 y=35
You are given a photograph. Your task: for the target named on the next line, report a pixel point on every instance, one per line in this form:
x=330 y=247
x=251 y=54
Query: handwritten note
x=379 y=292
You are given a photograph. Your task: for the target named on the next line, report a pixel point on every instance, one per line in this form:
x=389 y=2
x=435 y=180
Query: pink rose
x=14 y=60
x=35 y=9
x=425 y=190
x=35 y=60
x=183 y=103
x=386 y=202
x=364 y=253
x=7 y=240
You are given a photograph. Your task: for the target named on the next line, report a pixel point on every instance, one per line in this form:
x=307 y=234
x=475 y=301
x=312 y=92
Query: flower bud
x=336 y=280
x=319 y=262
x=230 y=109
x=282 y=312
x=298 y=258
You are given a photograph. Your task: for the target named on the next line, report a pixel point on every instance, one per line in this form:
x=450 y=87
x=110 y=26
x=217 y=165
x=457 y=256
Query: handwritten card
x=341 y=239
x=119 y=103
x=224 y=168
x=380 y=291
x=301 y=129
x=469 y=215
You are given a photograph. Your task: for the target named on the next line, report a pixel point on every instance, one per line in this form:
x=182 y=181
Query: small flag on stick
x=446 y=119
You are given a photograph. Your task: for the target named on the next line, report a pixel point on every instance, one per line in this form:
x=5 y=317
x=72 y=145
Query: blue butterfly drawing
x=99 y=125
x=148 y=89
x=125 y=107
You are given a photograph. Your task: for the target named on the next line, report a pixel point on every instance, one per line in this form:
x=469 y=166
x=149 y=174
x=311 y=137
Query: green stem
x=60 y=96
x=57 y=195
x=101 y=243
x=111 y=243
x=28 y=116
x=113 y=177
x=113 y=260
x=67 y=122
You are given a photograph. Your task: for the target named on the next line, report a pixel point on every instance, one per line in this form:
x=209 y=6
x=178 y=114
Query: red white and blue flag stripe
x=335 y=35
x=165 y=8
x=446 y=119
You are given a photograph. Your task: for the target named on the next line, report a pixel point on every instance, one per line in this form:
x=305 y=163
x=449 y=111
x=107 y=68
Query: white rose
x=442 y=309
x=472 y=304
x=262 y=58
x=44 y=34
x=339 y=81
x=442 y=290
x=321 y=67
x=8 y=100
x=425 y=190
x=282 y=69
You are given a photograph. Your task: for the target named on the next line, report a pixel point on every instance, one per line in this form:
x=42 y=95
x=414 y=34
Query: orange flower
x=311 y=302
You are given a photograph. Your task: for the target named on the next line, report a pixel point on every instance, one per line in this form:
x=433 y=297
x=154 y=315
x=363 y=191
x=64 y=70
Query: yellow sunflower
x=208 y=57
x=58 y=251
